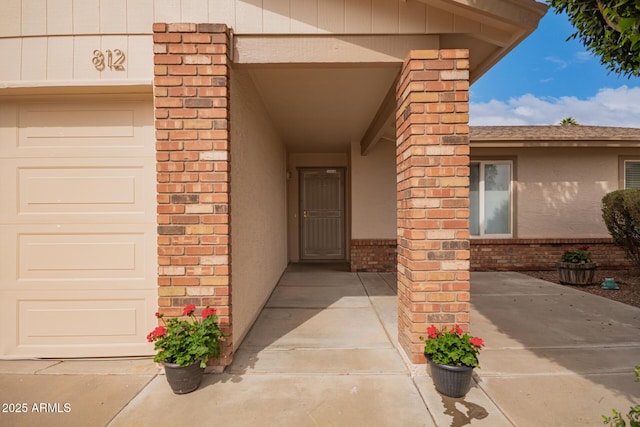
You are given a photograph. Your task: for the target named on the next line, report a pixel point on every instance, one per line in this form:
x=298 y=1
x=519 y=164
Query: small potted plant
x=576 y=267
x=452 y=354
x=185 y=344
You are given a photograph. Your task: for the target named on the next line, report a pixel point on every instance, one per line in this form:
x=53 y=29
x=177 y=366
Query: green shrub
x=621 y=214
x=617 y=420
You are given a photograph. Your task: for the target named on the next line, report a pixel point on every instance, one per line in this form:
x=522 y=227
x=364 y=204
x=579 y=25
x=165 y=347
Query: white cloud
x=576 y=59
x=561 y=63
x=583 y=56
x=609 y=107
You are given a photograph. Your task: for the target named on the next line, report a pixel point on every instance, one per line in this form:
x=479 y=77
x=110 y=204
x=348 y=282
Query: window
x=490 y=198
x=631 y=173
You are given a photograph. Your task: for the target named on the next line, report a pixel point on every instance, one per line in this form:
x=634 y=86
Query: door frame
x=343 y=230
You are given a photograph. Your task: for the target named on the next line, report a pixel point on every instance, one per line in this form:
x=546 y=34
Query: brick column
x=191 y=97
x=433 y=194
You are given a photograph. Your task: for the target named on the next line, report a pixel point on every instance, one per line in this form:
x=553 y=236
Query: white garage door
x=77 y=227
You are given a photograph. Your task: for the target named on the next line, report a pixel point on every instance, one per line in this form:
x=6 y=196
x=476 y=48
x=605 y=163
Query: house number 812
x=114 y=60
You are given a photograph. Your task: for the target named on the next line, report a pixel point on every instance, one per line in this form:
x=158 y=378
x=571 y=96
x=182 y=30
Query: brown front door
x=322 y=214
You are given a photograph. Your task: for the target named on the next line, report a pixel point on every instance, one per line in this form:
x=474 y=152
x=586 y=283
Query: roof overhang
x=494 y=28
x=553 y=136
x=296 y=73
x=501 y=25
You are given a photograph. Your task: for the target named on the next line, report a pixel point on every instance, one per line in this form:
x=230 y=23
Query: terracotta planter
x=576 y=273
x=452 y=381
x=183 y=379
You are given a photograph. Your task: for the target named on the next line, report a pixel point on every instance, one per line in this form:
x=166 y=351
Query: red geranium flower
x=188 y=309
x=432 y=331
x=156 y=333
x=208 y=312
x=477 y=342
x=459 y=330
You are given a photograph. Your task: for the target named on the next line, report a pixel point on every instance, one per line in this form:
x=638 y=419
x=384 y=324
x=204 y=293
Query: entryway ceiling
x=324 y=108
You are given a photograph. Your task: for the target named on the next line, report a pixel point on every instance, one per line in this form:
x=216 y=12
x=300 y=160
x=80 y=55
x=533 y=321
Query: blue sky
x=546 y=78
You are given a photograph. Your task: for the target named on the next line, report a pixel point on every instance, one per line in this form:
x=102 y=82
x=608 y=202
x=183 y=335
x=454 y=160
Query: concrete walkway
x=324 y=352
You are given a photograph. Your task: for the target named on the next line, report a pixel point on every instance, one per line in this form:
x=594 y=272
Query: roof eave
x=564 y=143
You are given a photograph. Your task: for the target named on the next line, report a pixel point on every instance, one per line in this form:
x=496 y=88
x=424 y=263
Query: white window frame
x=481 y=201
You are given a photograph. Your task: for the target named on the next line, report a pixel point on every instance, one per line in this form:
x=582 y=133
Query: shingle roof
x=553 y=133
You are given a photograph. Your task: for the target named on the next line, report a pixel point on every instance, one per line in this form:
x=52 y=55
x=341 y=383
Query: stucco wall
x=559 y=190
x=373 y=185
x=258 y=202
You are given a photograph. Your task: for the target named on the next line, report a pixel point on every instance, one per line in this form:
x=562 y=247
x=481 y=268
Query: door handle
x=304 y=213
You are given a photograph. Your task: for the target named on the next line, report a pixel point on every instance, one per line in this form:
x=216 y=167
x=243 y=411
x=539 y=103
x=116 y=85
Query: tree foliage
x=609 y=29
x=569 y=121
x=621 y=214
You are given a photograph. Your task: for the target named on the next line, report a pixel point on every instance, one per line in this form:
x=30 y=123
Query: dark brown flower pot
x=452 y=381
x=576 y=273
x=183 y=379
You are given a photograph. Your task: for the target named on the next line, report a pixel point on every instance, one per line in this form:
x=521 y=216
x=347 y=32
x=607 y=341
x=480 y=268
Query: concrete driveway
x=324 y=352
x=555 y=356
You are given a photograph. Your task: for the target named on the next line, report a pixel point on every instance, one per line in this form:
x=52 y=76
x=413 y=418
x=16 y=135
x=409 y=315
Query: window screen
x=631 y=174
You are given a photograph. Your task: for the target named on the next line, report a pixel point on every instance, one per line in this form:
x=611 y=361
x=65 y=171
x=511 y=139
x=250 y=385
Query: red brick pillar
x=433 y=194
x=191 y=97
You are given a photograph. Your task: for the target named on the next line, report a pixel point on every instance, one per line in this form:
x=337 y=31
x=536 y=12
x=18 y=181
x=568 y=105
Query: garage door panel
x=75 y=257
x=72 y=319
x=85 y=324
x=89 y=190
x=73 y=190
x=78 y=129
x=72 y=257
x=40 y=126
x=78 y=250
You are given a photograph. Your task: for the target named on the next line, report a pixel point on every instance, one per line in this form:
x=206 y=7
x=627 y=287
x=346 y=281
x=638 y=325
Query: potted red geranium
x=185 y=344
x=452 y=354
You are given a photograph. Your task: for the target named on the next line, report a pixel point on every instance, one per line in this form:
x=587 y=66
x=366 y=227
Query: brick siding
x=540 y=254
x=375 y=255
x=432 y=158
x=497 y=254
x=191 y=98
